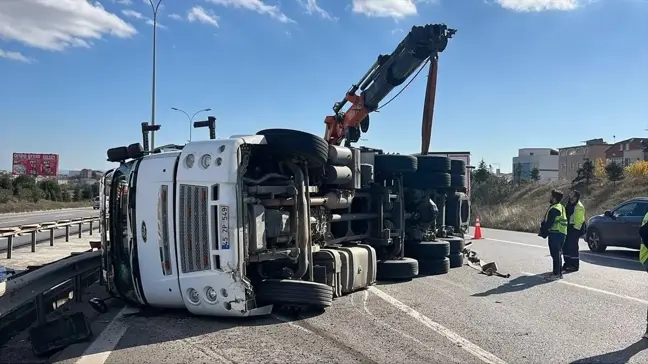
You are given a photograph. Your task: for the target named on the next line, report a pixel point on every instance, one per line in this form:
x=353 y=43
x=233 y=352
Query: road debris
x=489 y=269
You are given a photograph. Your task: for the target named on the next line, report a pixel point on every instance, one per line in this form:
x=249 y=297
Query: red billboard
x=35 y=164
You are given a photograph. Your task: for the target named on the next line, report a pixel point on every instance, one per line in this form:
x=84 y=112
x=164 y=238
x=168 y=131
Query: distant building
x=572 y=158
x=544 y=159
x=627 y=151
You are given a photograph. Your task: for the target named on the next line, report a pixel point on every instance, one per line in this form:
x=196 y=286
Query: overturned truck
x=233 y=227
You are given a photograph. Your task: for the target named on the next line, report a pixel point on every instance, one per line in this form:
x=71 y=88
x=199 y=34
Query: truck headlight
x=190 y=160
x=205 y=161
x=193 y=295
x=210 y=294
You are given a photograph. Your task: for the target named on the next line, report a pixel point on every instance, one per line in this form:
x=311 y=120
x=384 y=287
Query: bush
x=638 y=169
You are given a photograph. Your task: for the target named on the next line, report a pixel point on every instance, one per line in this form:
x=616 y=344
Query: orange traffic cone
x=477 y=234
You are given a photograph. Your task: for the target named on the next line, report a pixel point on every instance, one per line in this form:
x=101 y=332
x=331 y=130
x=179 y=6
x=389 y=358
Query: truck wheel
x=295 y=292
x=394 y=163
x=456 y=260
x=405 y=268
x=426 y=180
x=294 y=143
x=426 y=250
x=434 y=266
x=456 y=244
x=434 y=163
x=457 y=167
x=458 y=181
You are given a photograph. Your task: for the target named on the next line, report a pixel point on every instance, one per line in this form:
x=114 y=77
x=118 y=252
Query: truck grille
x=194 y=228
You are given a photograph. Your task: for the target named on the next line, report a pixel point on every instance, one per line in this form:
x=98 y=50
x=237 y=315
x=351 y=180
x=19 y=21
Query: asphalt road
x=596 y=315
x=16 y=220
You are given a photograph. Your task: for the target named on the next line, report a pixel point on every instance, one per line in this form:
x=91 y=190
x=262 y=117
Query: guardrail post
x=9 y=246
x=52 y=237
x=91 y=226
x=80 y=229
x=67 y=233
x=33 y=241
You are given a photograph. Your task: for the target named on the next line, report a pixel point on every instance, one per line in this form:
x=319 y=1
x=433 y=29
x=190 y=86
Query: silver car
x=96 y=204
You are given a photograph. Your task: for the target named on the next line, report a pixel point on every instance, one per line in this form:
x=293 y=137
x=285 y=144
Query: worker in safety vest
x=643 y=254
x=575 y=229
x=554 y=228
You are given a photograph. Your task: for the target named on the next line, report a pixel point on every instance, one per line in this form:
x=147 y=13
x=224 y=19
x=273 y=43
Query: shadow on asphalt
x=606 y=259
x=155 y=326
x=616 y=357
x=515 y=285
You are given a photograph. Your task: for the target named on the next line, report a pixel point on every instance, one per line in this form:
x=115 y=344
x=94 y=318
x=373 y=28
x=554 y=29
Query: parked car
x=618 y=226
x=96 y=204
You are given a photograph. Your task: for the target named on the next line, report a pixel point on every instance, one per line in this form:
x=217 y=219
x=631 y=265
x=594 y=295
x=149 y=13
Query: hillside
x=505 y=205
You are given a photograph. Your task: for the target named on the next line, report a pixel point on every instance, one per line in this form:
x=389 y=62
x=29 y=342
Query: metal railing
x=30 y=297
x=33 y=229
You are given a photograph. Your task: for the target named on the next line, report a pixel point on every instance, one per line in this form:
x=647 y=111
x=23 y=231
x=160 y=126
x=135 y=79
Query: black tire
x=427 y=250
x=294 y=292
x=426 y=180
x=117 y=154
x=405 y=268
x=457 y=167
x=456 y=260
x=456 y=244
x=595 y=241
x=135 y=150
x=434 y=267
x=434 y=163
x=290 y=143
x=394 y=163
x=458 y=181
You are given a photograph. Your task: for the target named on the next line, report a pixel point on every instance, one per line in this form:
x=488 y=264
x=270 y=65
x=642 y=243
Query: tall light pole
x=154 y=7
x=190 y=117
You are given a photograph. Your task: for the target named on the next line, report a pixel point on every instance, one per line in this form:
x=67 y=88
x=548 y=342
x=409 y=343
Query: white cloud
x=312 y=7
x=257 y=6
x=397 y=9
x=201 y=15
x=123 y=2
x=539 y=5
x=57 y=25
x=137 y=15
x=175 y=16
x=15 y=56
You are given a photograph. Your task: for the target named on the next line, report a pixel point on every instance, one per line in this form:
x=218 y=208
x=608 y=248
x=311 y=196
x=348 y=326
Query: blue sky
x=76 y=76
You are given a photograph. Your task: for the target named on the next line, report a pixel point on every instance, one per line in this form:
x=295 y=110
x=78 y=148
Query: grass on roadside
x=524 y=208
x=26 y=206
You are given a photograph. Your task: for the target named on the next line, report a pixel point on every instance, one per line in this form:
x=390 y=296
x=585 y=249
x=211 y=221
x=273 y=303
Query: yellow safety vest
x=643 y=251
x=577 y=219
x=560 y=224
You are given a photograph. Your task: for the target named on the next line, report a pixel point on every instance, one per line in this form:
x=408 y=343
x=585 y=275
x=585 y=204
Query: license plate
x=224 y=227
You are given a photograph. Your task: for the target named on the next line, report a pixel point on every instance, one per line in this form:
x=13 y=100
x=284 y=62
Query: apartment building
x=572 y=158
x=627 y=151
x=544 y=159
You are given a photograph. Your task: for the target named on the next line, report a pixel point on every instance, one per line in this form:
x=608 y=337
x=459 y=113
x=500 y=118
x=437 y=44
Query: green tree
x=66 y=196
x=586 y=173
x=86 y=192
x=77 y=194
x=51 y=190
x=535 y=174
x=481 y=174
x=23 y=182
x=517 y=173
x=5 y=181
x=614 y=172
x=95 y=189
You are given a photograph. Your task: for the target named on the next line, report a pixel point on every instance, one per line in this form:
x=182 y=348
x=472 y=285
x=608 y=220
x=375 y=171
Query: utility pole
x=190 y=117
x=155 y=8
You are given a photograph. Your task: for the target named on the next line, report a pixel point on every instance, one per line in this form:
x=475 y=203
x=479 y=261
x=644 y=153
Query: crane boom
x=388 y=72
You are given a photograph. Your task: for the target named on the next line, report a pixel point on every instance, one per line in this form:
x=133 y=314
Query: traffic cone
x=477 y=234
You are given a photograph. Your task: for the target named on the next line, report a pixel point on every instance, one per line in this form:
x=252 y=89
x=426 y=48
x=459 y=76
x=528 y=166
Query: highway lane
x=11 y=220
x=596 y=315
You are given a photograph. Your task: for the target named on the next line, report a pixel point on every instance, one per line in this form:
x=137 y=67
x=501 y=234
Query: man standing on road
x=575 y=221
x=643 y=254
x=554 y=228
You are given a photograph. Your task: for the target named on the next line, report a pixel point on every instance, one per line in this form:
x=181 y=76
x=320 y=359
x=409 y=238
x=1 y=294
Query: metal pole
x=155 y=11
x=190 y=118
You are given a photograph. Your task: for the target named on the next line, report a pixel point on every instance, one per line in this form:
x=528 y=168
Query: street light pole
x=190 y=117
x=155 y=8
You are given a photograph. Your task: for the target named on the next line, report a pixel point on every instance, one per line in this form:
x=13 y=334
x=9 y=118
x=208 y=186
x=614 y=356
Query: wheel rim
x=594 y=240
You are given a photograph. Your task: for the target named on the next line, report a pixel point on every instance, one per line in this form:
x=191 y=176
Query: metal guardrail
x=30 y=297
x=11 y=232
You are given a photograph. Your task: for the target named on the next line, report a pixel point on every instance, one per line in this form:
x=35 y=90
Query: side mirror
x=608 y=213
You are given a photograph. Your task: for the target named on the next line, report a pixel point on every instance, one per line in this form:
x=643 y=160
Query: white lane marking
x=100 y=349
x=581 y=253
x=630 y=298
x=453 y=337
